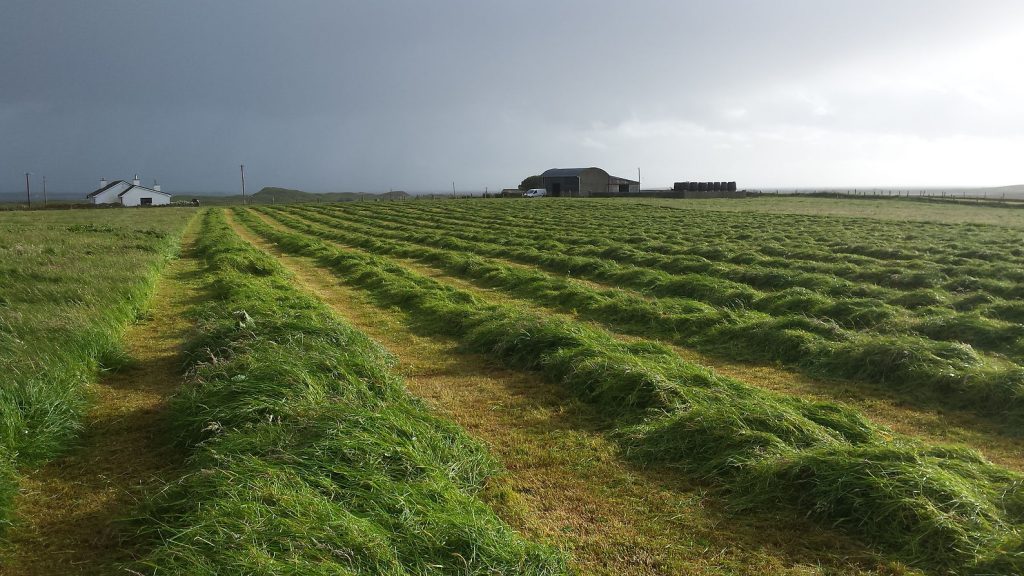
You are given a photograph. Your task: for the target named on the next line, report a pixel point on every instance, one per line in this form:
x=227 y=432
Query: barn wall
x=592 y=181
x=614 y=189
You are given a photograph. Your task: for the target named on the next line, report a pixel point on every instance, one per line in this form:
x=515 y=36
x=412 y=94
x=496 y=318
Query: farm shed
x=128 y=194
x=585 y=182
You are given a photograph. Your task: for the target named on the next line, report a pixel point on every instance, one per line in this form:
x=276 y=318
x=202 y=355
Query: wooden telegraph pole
x=28 y=193
x=242 y=168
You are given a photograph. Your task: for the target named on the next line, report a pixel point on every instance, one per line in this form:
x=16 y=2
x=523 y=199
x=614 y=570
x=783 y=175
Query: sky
x=414 y=95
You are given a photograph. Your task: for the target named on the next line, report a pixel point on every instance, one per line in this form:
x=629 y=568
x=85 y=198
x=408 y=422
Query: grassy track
x=566 y=481
x=937 y=507
x=309 y=456
x=70 y=509
x=70 y=282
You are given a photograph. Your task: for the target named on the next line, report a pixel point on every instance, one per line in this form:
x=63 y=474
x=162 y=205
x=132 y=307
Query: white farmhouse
x=128 y=194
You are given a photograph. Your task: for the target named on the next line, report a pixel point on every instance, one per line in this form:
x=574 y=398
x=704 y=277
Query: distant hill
x=286 y=195
x=1015 y=191
x=277 y=195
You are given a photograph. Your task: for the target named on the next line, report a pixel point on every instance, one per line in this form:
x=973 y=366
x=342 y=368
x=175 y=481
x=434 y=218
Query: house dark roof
x=567 y=172
x=105 y=188
x=615 y=180
x=132 y=187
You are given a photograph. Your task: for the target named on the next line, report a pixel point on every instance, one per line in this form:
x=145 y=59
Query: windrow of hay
x=778 y=290
x=939 y=508
x=944 y=372
x=771 y=253
x=899 y=255
x=308 y=454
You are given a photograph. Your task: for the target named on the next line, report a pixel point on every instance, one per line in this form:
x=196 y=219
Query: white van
x=535 y=193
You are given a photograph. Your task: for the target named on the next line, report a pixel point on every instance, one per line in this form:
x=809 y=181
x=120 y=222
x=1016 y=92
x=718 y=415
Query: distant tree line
x=531 y=182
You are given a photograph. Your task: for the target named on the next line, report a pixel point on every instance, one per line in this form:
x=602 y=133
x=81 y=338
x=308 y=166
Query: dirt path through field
x=566 y=482
x=875 y=402
x=68 y=509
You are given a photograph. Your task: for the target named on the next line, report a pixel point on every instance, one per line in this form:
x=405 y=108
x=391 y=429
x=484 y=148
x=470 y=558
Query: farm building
x=585 y=182
x=128 y=194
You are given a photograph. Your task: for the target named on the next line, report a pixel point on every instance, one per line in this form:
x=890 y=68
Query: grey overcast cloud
x=411 y=95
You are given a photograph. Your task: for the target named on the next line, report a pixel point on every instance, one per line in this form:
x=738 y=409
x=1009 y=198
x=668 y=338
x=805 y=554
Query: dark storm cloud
x=411 y=94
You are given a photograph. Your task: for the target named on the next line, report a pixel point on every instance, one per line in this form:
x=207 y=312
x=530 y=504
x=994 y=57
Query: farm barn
x=128 y=194
x=585 y=182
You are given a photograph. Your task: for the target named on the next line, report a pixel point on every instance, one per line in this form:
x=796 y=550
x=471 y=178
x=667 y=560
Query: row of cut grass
x=70 y=282
x=981 y=272
x=972 y=318
x=947 y=373
x=309 y=457
x=893 y=209
x=892 y=254
x=864 y=239
x=941 y=508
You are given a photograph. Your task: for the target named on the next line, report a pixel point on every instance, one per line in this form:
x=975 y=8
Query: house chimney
x=136 y=180
x=156 y=186
x=103 y=182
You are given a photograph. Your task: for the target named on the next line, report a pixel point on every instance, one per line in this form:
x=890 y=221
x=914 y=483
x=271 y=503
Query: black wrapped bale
x=679 y=186
x=732 y=187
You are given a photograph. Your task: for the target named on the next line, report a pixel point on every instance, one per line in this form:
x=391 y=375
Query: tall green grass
x=939 y=508
x=309 y=456
x=70 y=282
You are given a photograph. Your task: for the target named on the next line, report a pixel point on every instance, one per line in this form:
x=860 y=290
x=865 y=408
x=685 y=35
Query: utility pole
x=44 y=191
x=453 y=188
x=242 y=168
x=638 y=179
x=28 y=192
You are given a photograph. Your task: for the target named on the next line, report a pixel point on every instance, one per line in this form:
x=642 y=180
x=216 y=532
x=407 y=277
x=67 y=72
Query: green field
x=69 y=283
x=763 y=386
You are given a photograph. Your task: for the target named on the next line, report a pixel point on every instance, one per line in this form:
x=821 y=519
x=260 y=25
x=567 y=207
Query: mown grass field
x=807 y=386
x=69 y=284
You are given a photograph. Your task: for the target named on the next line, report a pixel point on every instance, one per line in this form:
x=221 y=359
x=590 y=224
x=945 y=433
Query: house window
x=145 y=201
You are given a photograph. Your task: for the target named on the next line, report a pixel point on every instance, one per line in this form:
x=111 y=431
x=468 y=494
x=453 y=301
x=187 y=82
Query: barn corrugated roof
x=566 y=172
